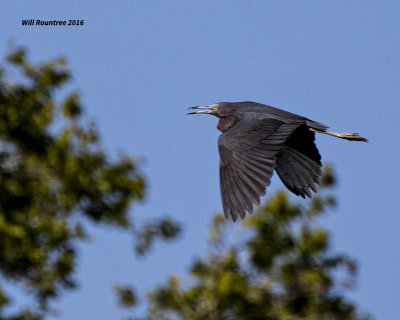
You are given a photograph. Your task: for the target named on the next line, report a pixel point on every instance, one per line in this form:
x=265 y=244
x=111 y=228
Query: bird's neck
x=225 y=123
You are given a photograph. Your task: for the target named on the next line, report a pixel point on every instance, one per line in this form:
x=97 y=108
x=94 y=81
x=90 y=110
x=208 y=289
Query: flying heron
x=257 y=139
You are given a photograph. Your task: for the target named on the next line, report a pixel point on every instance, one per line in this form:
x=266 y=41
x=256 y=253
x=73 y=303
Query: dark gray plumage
x=258 y=139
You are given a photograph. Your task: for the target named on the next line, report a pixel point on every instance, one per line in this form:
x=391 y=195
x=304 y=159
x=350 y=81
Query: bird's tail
x=299 y=173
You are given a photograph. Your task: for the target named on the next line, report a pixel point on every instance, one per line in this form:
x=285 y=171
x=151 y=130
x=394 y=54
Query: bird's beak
x=212 y=109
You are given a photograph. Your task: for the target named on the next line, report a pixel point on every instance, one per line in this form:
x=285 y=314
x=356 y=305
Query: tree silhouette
x=277 y=265
x=54 y=175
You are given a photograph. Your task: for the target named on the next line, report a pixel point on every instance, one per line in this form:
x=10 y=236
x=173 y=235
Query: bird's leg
x=347 y=136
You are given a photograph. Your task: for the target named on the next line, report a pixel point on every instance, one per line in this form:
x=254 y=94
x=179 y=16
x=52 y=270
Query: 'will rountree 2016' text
x=38 y=22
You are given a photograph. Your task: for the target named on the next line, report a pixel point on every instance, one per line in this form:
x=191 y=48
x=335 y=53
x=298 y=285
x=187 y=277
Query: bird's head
x=227 y=113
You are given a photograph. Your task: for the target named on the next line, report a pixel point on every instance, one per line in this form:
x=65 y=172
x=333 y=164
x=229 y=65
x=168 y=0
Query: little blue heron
x=257 y=139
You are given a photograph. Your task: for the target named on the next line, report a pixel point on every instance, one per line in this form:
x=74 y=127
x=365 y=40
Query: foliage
x=164 y=228
x=54 y=175
x=126 y=295
x=278 y=266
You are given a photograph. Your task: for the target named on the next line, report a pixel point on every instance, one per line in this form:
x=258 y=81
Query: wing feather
x=248 y=155
x=298 y=172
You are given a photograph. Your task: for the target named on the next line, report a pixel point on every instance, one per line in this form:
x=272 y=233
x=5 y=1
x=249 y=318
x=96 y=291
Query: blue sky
x=138 y=64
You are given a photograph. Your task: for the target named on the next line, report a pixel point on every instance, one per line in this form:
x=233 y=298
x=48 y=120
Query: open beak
x=212 y=109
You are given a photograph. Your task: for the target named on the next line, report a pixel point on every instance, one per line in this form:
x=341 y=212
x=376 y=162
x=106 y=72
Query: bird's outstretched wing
x=248 y=153
x=298 y=162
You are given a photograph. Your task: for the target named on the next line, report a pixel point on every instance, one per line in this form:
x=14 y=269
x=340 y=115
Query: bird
x=257 y=140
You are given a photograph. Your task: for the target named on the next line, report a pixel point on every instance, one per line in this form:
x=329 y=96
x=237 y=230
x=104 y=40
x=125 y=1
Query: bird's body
x=258 y=139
